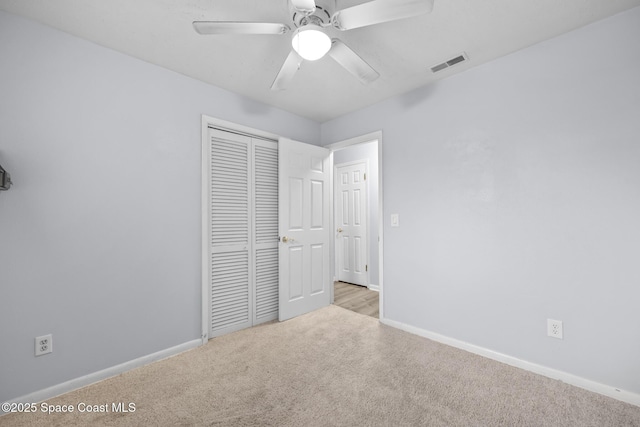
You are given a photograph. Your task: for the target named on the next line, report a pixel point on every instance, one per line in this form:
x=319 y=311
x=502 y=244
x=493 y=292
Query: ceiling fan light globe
x=311 y=43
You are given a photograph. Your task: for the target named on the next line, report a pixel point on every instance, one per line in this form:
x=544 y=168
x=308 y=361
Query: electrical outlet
x=44 y=344
x=554 y=328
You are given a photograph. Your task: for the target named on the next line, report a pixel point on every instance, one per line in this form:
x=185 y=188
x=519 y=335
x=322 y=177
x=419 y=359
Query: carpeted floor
x=333 y=367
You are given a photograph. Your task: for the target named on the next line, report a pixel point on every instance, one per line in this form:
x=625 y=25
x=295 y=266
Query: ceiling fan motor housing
x=321 y=17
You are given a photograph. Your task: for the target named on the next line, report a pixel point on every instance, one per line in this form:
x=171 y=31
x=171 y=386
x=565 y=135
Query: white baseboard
x=606 y=390
x=76 y=383
x=373 y=287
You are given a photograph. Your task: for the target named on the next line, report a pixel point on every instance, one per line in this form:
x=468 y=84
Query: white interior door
x=351 y=222
x=304 y=228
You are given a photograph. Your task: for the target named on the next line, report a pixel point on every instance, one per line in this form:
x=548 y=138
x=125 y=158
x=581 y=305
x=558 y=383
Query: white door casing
x=353 y=142
x=304 y=228
x=351 y=223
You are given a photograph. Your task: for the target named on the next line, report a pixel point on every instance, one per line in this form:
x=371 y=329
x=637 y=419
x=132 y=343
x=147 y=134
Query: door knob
x=285 y=239
x=339 y=230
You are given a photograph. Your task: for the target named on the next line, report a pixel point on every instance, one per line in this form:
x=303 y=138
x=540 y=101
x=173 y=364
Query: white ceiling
x=160 y=32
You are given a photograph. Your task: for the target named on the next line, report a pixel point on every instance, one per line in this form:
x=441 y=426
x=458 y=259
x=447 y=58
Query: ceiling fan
x=310 y=41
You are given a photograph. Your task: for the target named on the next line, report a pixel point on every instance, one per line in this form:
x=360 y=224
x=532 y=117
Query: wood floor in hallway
x=357 y=298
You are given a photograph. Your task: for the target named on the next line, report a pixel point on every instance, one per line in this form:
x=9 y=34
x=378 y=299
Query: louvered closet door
x=230 y=232
x=243 y=212
x=266 y=230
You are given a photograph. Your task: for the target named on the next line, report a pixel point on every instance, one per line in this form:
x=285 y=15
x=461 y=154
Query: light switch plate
x=395 y=220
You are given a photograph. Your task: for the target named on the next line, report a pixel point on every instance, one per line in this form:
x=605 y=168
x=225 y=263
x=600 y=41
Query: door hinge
x=366 y=267
x=365 y=176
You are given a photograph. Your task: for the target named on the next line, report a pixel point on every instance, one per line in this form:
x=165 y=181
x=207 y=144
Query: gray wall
x=518 y=189
x=367 y=151
x=100 y=234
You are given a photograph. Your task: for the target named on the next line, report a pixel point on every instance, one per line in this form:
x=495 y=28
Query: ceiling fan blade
x=289 y=68
x=378 y=11
x=223 y=27
x=350 y=60
x=306 y=7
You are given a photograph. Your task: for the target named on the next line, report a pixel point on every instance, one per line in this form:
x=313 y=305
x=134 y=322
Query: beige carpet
x=334 y=367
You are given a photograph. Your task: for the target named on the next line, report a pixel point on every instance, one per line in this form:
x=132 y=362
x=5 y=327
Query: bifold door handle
x=339 y=230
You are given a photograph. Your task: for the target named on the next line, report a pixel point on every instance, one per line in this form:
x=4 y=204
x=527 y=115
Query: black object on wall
x=5 y=179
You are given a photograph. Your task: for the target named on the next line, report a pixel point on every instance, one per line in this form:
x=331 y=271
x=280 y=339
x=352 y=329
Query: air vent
x=450 y=63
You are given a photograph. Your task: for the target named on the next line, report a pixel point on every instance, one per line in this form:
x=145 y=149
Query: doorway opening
x=357 y=214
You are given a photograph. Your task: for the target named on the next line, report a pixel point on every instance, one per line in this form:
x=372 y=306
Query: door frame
x=370 y=137
x=367 y=256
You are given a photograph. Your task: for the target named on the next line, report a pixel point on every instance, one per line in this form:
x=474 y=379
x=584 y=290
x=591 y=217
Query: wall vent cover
x=450 y=63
